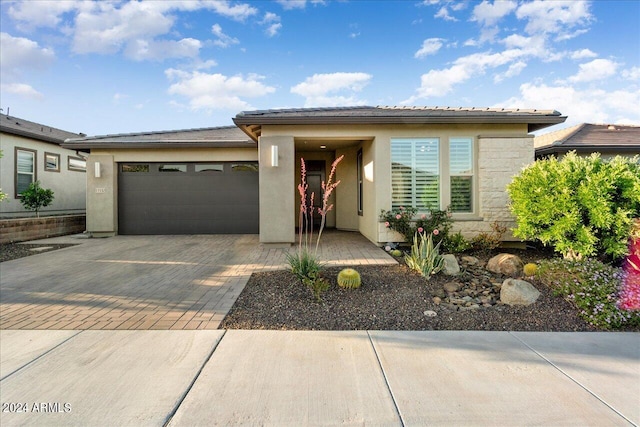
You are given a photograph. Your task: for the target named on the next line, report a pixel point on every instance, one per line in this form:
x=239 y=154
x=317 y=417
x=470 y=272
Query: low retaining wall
x=23 y=229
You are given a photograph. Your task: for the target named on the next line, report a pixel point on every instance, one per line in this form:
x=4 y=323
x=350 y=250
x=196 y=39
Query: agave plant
x=425 y=257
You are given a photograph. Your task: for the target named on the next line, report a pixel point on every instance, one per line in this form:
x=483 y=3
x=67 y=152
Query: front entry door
x=315 y=177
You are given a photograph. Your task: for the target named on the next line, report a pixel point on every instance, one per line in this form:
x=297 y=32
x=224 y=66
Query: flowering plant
x=401 y=219
x=304 y=263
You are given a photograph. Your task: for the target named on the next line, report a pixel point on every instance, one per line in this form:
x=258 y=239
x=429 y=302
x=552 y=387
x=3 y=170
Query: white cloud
x=441 y=82
x=632 y=73
x=217 y=91
x=18 y=54
x=444 y=14
x=582 y=54
x=586 y=106
x=158 y=50
x=429 y=47
x=513 y=70
x=21 y=89
x=597 y=69
x=490 y=13
x=556 y=17
x=298 y=4
x=272 y=21
x=317 y=88
x=223 y=40
x=237 y=12
x=41 y=13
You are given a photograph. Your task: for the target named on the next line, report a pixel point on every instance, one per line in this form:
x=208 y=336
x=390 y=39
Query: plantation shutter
x=415 y=173
x=461 y=174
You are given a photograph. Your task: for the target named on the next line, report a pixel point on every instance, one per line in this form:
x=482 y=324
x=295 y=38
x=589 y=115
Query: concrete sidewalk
x=283 y=378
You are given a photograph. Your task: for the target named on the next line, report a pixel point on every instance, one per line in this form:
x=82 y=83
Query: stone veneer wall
x=499 y=160
x=23 y=229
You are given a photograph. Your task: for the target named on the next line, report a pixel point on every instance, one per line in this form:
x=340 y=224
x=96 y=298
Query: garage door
x=188 y=198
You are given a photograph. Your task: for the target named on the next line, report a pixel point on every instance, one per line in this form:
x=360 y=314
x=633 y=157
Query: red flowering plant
x=629 y=297
x=304 y=263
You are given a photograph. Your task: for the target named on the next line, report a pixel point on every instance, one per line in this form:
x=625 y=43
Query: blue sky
x=127 y=66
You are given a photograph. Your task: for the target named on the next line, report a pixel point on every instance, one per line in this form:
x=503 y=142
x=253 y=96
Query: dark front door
x=315 y=177
x=188 y=198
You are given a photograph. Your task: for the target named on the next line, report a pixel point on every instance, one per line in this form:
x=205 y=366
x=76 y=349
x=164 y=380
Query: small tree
x=35 y=197
x=579 y=205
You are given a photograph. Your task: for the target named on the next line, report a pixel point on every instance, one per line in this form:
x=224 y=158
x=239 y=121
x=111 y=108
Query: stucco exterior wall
x=498 y=158
x=277 y=186
x=68 y=186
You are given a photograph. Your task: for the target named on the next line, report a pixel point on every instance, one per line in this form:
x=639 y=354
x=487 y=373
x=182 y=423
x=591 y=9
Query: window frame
x=34 y=173
x=72 y=168
x=471 y=174
x=54 y=155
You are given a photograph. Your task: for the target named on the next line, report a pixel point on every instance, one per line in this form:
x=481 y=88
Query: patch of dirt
x=392 y=298
x=12 y=251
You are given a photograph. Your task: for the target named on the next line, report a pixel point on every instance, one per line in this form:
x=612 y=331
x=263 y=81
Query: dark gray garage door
x=188 y=198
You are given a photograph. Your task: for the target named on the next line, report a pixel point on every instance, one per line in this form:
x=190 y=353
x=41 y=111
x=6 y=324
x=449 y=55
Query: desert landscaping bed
x=397 y=298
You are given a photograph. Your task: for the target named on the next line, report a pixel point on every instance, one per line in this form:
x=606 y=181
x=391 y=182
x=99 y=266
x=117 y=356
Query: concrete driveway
x=148 y=282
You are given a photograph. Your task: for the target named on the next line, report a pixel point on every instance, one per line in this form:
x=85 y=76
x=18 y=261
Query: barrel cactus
x=396 y=252
x=349 y=278
x=530 y=269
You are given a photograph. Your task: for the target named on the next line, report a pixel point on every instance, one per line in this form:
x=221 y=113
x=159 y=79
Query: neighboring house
x=587 y=138
x=244 y=179
x=32 y=151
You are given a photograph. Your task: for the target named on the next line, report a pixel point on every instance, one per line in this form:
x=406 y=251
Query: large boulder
x=451 y=266
x=518 y=292
x=505 y=264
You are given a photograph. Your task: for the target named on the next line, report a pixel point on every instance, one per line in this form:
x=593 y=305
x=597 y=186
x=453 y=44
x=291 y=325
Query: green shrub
x=304 y=264
x=592 y=287
x=457 y=243
x=317 y=284
x=35 y=197
x=425 y=257
x=349 y=278
x=396 y=252
x=404 y=221
x=579 y=205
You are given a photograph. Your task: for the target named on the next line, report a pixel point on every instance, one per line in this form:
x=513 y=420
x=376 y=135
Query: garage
x=188 y=198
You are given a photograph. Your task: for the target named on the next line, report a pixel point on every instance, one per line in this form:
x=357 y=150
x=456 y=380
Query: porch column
x=277 y=189
x=102 y=195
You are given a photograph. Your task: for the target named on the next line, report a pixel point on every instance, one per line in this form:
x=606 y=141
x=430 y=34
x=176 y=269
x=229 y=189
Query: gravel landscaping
x=12 y=251
x=397 y=298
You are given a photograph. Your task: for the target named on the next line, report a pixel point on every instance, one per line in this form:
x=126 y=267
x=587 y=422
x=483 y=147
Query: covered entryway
x=188 y=198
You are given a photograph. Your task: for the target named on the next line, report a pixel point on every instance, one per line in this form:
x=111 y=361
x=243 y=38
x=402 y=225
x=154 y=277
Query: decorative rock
x=451 y=266
x=430 y=313
x=451 y=286
x=439 y=292
x=436 y=300
x=518 y=292
x=470 y=260
x=506 y=264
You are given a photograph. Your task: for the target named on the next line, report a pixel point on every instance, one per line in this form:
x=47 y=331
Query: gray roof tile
x=22 y=127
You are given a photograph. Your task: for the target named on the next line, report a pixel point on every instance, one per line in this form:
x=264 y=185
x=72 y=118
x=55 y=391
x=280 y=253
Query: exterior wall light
x=274 y=156
x=97 y=169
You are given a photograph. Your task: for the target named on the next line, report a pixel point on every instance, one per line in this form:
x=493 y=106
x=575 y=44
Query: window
x=461 y=174
x=245 y=167
x=360 y=188
x=172 y=168
x=210 y=167
x=415 y=173
x=77 y=164
x=134 y=168
x=52 y=162
x=25 y=169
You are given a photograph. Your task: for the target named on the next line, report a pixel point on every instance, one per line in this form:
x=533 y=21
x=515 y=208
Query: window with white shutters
x=415 y=173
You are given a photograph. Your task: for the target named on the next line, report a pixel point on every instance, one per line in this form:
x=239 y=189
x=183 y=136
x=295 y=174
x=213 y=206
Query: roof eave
x=31 y=135
x=73 y=145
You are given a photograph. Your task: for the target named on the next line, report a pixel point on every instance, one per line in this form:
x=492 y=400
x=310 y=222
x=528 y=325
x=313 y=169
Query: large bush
x=579 y=205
